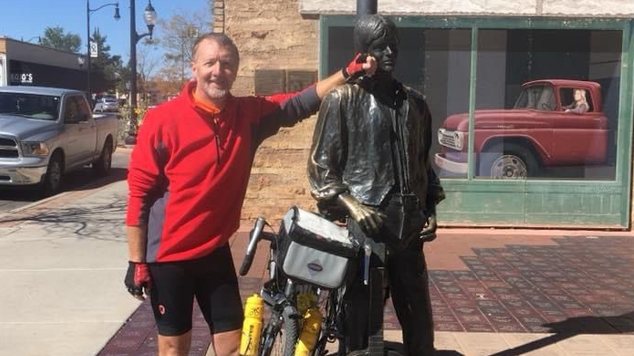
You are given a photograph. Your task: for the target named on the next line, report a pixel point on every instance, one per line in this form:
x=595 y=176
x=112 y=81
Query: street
x=12 y=198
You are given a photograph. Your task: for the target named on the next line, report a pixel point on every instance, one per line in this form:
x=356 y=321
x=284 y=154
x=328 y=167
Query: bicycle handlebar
x=254 y=237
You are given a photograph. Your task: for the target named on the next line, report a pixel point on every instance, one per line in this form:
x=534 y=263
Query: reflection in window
x=537 y=97
x=30 y=106
x=436 y=62
x=547 y=104
x=576 y=100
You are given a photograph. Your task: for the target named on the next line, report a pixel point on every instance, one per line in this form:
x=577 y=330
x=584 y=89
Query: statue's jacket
x=352 y=147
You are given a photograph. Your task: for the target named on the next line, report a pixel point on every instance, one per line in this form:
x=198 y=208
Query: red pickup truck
x=536 y=133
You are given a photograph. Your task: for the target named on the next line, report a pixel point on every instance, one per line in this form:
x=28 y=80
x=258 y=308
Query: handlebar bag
x=315 y=250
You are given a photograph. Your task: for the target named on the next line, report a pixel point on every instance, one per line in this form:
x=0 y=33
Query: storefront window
x=436 y=63
x=547 y=104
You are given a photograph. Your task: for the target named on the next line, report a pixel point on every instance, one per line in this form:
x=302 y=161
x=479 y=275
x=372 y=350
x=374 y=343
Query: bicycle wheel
x=280 y=334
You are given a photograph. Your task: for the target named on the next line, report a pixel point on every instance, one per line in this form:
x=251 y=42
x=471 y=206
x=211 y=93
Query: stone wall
x=271 y=34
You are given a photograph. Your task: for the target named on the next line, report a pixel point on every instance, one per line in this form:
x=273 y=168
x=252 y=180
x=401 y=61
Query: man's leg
x=172 y=297
x=218 y=296
x=175 y=345
x=227 y=343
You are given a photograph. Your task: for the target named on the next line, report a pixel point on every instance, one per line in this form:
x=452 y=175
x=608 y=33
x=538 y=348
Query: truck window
x=71 y=111
x=568 y=100
x=82 y=108
x=32 y=106
x=537 y=97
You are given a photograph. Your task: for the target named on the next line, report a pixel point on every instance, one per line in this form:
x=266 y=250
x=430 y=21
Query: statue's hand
x=368 y=218
x=429 y=230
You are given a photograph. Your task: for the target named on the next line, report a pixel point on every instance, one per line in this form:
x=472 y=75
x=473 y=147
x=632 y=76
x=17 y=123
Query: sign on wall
x=21 y=78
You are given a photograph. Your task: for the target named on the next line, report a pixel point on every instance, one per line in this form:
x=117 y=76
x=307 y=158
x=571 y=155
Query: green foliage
x=124 y=119
x=55 y=37
x=108 y=70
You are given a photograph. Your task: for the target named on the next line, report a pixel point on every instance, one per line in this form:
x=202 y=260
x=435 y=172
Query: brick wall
x=272 y=35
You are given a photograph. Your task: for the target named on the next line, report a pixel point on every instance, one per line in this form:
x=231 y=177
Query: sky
x=25 y=19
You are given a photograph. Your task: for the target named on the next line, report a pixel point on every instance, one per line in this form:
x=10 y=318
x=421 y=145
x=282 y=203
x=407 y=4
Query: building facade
x=499 y=72
x=23 y=63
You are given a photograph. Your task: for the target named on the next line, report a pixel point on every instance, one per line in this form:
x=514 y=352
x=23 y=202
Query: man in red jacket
x=187 y=180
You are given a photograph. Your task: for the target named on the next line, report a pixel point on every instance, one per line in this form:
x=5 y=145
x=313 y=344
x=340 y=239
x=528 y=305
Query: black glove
x=138 y=279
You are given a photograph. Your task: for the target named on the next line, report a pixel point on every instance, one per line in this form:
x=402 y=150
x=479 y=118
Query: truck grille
x=8 y=148
x=450 y=139
x=447 y=140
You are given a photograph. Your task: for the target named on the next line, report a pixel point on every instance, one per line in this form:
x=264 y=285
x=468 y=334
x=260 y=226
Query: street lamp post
x=149 y=16
x=88 y=12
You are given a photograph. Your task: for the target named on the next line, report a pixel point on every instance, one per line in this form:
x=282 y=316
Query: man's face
x=385 y=51
x=215 y=68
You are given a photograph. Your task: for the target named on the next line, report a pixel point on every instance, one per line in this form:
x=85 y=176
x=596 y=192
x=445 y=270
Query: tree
x=179 y=33
x=106 y=68
x=55 y=37
x=146 y=66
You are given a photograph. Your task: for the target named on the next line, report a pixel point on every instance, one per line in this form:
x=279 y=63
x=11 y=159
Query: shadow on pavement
x=86 y=180
x=100 y=220
x=398 y=347
x=75 y=181
x=572 y=327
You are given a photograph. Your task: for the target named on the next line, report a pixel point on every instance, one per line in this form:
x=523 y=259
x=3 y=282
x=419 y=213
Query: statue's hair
x=369 y=28
x=222 y=40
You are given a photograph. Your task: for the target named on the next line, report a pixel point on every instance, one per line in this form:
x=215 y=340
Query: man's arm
x=137 y=242
x=144 y=174
x=355 y=68
x=288 y=108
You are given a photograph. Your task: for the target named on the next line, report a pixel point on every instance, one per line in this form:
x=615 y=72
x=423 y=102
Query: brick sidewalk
x=567 y=285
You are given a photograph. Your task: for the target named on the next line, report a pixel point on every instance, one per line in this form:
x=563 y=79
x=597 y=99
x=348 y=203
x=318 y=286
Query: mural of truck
x=537 y=133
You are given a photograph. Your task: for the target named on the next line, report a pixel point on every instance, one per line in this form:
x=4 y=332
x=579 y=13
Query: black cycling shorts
x=211 y=279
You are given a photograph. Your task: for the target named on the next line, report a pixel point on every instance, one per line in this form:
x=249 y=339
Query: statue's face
x=385 y=51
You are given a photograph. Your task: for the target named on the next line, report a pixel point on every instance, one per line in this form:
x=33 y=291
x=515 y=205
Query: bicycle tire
x=280 y=334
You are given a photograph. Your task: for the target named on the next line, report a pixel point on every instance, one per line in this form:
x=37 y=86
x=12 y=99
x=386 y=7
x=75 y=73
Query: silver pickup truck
x=47 y=132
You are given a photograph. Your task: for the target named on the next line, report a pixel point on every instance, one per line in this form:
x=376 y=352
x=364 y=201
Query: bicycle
x=285 y=292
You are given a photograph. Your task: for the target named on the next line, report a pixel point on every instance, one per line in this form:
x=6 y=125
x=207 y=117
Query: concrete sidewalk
x=495 y=292
x=61 y=270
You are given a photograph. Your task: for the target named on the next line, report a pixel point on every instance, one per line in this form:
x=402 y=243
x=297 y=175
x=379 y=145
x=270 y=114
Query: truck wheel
x=102 y=165
x=508 y=161
x=54 y=176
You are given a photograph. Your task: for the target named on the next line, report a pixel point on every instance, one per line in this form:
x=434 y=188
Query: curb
x=64 y=197
x=39 y=202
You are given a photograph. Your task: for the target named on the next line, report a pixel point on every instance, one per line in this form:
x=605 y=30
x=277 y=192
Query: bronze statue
x=370 y=164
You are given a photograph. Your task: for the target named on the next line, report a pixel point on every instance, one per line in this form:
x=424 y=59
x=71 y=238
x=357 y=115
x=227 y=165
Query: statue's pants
x=407 y=280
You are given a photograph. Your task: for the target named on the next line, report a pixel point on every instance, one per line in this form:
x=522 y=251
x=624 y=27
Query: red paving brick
x=478 y=282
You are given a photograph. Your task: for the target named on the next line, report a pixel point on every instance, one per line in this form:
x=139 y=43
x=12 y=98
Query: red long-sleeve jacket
x=190 y=168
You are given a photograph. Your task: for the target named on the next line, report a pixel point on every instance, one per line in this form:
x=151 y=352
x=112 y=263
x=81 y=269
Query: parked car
x=107 y=103
x=48 y=132
x=536 y=133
